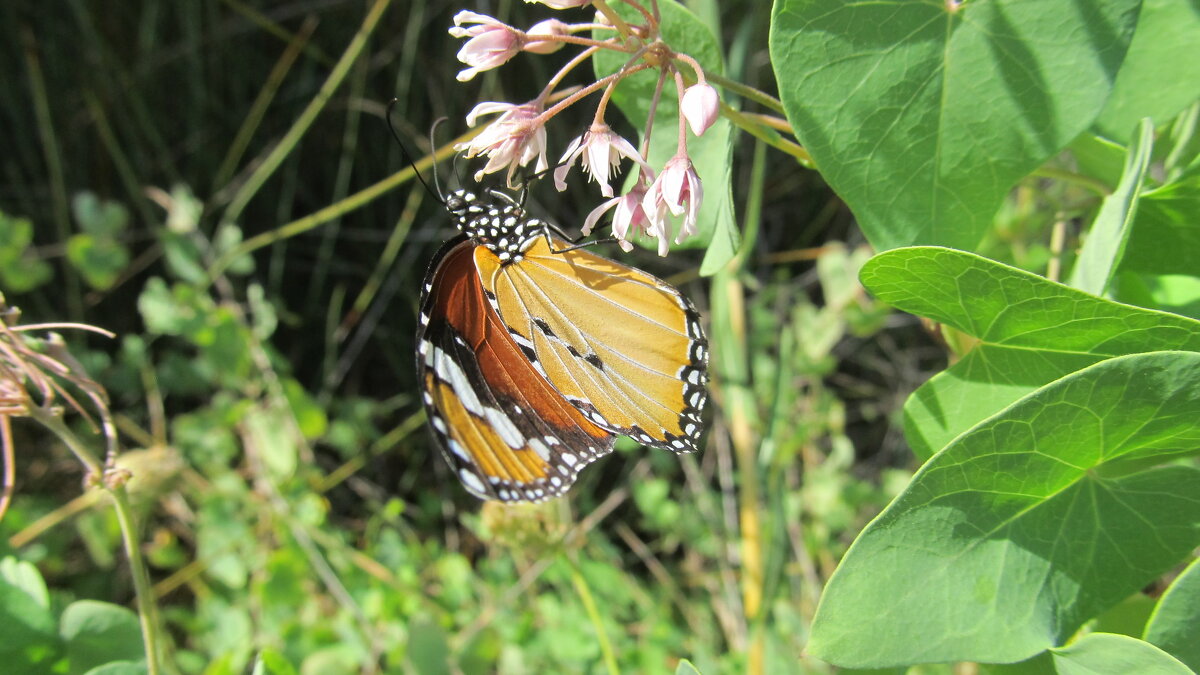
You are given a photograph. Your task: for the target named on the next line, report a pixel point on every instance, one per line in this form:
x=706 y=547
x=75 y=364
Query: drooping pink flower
x=511 y=140
x=602 y=150
x=676 y=189
x=543 y=29
x=629 y=214
x=700 y=106
x=492 y=43
x=562 y=4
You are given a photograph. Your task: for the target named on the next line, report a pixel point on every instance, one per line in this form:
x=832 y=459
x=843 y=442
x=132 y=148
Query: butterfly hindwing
x=507 y=432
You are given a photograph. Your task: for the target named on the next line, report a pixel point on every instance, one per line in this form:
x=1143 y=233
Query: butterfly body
x=533 y=355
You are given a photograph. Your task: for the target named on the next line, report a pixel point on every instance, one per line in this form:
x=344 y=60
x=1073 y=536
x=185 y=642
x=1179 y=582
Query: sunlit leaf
x=1027 y=525
x=1031 y=331
x=922 y=115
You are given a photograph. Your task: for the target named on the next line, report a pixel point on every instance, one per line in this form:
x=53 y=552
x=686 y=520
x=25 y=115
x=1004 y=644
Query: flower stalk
x=32 y=377
x=664 y=202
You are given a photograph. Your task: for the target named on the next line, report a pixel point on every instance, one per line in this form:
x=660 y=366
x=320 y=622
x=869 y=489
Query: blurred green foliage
x=296 y=519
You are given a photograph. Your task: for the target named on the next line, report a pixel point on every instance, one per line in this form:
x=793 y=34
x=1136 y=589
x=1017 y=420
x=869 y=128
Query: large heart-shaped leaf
x=922 y=115
x=1161 y=73
x=1032 y=331
x=1027 y=525
x=1108 y=653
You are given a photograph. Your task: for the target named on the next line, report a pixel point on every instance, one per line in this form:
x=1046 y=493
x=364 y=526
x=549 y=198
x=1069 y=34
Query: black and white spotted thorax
x=494 y=220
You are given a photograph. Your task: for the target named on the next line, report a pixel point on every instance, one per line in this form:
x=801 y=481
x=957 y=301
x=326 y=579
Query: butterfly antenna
x=408 y=157
x=432 y=132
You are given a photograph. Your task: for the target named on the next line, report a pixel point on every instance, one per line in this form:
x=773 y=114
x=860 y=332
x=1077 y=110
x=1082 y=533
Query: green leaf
x=24 y=576
x=183 y=257
x=120 y=668
x=225 y=545
x=428 y=651
x=1027 y=525
x=1098 y=158
x=1105 y=244
x=270 y=430
x=1099 y=653
x=99 y=218
x=1127 y=617
x=922 y=115
x=716 y=223
x=227 y=238
x=1175 y=625
x=99 y=259
x=310 y=418
x=271 y=662
x=1166 y=233
x=29 y=636
x=166 y=312
x=685 y=667
x=99 y=632
x=20 y=269
x=1031 y=331
x=1161 y=72
x=710 y=153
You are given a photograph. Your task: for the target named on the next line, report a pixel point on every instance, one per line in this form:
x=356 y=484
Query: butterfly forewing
x=506 y=431
x=624 y=347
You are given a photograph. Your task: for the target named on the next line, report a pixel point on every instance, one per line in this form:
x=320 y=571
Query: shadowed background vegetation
x=292 y=503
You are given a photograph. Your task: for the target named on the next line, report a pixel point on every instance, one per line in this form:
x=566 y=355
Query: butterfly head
x=494 y=220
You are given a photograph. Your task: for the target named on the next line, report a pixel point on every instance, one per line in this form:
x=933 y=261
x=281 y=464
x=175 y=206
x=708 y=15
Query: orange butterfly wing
x=622 y=346
x=506 y=431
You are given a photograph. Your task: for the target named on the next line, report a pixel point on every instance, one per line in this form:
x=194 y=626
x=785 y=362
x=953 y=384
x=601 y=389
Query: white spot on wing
x=504 y=426
x=459 y=451
x=449 y=371
x=540 y=448
x=472 y=482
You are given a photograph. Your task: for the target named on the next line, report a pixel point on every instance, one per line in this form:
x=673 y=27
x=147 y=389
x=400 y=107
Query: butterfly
x=535 y=354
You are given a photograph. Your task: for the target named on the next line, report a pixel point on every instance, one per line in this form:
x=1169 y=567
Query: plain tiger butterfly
x=534 y=355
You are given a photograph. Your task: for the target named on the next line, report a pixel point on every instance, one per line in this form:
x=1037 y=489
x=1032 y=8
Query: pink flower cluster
x=517 y=136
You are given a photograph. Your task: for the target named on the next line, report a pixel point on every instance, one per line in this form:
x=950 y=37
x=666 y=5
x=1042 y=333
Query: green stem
x=746 y=91
x=262 y=102
x=589 y=604
x=292 y=138
x=732 y=378
x=53 y=157
x=147 y=612
x=354 y=201
x=1065 y=176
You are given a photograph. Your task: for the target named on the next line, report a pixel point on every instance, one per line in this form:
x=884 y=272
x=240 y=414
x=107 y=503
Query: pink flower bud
x=700 y=107
x=547 y=28
x=492 y=43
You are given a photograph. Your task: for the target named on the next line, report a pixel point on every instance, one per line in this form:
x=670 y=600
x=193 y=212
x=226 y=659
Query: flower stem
x=147 y=612
x=570 y=100
x=613 y=18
